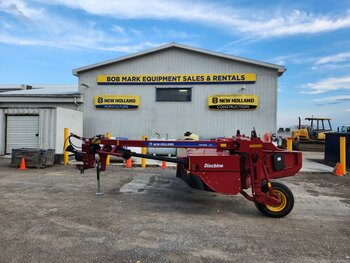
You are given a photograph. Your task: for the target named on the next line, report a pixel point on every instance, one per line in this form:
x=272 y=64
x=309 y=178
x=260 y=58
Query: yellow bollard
x=289 y=144
x=343 y=154
x=108 y=160
x=65 y=153
x=143 y=151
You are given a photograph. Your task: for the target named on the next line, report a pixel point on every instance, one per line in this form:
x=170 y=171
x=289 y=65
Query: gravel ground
x=53 y=215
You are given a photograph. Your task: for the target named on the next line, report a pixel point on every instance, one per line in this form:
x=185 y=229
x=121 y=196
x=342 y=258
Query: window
x=173 y=94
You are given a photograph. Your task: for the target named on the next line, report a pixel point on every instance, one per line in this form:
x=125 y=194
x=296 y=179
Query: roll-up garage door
x=22 y=132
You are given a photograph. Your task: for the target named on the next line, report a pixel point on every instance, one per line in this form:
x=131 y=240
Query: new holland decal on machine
x=233 y=102
x=123 y=102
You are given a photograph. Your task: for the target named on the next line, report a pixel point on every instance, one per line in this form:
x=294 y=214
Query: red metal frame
x=225 y=165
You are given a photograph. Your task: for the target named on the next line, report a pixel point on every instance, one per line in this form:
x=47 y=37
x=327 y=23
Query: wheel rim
x=283 y=202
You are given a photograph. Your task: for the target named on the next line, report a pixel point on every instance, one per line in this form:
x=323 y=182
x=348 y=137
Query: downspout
x=76 y=103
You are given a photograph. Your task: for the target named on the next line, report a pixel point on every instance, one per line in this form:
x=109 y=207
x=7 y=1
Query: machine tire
x=286 y=197
x=295 y=145
x=195 y=182
x=192 y=180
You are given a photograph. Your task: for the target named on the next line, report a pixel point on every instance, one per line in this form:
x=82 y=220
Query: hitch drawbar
x=223 y=165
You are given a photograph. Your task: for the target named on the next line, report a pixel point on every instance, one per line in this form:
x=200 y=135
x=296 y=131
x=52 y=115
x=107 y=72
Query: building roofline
x=67 y=95
x=41 y=90
x=75 y=98
x=279 y=68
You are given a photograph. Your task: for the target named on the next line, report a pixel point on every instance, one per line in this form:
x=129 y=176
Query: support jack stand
x=98 y=193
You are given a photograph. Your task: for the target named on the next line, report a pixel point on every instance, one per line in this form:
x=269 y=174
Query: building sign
x=177 y=79
x=233 y=102
x=121 y=102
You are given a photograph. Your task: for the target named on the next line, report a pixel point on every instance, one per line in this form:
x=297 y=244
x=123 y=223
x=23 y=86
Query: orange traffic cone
x=23 y=165
x=338 y=170
x=164 y=165
x=128 y=163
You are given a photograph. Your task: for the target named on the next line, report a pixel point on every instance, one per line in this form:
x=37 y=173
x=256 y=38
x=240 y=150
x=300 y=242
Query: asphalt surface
x=53 y=215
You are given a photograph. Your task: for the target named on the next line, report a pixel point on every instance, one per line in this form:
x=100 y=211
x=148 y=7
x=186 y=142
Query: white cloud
x=347 y=110
x=172 y=34
x=331 y=67
x=35 y=26
x=328 y=84
x=280 y=62
x=255 y=22
x=118 y=29
x=22 y=41
x=177 y=34
x=73 y=41
x=20 y=8
x=334 y=99
x=341 y=57
x=36 y=22
x=333 y=62
x=294 y=58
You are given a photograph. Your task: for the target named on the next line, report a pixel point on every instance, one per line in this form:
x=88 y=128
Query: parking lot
x=149 y=215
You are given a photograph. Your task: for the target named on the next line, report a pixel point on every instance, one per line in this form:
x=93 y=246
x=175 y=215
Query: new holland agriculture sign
x=233 y=102
x=122 y=102
x=177 y=79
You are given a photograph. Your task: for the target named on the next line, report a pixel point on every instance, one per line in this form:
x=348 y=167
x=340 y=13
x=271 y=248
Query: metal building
x=175 y=88
x=35 y=117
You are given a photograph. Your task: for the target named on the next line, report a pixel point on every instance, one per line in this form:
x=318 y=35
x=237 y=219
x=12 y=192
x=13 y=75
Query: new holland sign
x=122 y=102
x=233 y=102
x=177 y=79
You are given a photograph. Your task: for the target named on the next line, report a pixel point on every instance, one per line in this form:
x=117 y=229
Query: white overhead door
x=22 y=132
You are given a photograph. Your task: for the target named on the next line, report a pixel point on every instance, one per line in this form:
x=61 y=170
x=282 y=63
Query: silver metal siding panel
x=173 y=45
x=47 y=128
x=2 y=131
x=174 y=118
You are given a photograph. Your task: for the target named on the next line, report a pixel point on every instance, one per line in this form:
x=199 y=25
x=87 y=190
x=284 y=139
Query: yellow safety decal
x=269 y=184
x=255 y=146
x=223 y=145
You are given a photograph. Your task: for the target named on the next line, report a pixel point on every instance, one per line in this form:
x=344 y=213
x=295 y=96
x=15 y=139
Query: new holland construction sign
x=233 y=102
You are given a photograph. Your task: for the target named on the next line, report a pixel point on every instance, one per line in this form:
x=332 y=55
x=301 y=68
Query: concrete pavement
x=311 y=163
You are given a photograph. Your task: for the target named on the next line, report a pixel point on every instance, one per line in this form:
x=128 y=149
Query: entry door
x=22 y=132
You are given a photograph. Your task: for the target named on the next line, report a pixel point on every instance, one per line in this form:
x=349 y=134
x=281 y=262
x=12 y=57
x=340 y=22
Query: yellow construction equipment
x=313 y=133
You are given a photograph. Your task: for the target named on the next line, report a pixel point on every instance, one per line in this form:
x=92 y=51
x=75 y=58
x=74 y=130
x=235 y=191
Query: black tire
x=192 y=180
x=295 y=145
x=195 y=182
x=286 y=205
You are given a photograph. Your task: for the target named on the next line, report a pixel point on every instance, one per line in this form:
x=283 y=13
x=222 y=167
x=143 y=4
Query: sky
x=42 y=41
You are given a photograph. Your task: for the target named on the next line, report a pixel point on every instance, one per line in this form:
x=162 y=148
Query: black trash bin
x=332 y=152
